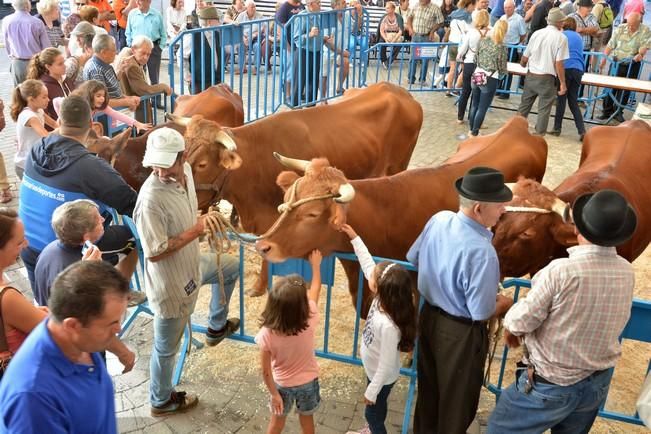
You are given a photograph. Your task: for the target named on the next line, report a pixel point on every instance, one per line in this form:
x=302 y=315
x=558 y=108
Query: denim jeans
x=413 y=62
x=571 y=98
x=168 y=331
x=249 y=53
x=376 y=414
x=468 y=69
x=563 y=409
x=482 y=96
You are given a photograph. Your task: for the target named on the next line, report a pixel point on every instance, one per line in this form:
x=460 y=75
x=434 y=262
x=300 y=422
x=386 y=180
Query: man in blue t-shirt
x=283 y=15
x=58 y=381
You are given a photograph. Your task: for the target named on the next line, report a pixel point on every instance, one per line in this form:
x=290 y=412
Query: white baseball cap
x=163 y=146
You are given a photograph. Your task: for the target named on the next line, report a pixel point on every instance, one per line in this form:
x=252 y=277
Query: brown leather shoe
x=179 y=402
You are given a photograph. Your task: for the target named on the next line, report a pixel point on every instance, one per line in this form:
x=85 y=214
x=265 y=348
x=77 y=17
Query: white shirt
x=175 y=17
x=380 y=337
x=546 y=47
x=468 y=47
x=26 y=136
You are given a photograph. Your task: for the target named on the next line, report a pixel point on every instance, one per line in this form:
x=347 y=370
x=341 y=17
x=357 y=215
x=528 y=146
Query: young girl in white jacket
x=390 y=328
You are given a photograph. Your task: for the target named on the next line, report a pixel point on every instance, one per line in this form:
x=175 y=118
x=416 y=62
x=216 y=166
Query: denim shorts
x=307 y=398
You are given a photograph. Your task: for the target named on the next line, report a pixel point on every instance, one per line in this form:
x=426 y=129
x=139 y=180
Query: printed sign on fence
x=426 y=52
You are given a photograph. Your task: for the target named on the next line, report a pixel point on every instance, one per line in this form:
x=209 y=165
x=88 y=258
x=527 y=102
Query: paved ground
x=233 y=398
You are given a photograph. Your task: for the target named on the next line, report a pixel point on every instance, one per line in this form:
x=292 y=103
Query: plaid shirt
x=96 y=69
x=425 y=18
x=574 y=313
x=583 y=23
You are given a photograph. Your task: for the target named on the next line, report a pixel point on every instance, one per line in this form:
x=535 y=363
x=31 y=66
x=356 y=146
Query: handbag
x=479 y=78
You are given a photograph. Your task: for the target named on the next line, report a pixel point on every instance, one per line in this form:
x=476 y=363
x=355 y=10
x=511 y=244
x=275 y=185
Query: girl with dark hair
x=390 y=328
x=286 y=342
x=18 y=316
x=96 y=93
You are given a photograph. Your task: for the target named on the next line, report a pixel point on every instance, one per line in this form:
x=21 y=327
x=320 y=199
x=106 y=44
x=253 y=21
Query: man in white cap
x=544 y=56
x=571 y=321
x=166 y=218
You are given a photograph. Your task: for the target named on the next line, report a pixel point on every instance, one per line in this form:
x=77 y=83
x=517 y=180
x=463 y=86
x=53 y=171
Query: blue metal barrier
x=636 y=329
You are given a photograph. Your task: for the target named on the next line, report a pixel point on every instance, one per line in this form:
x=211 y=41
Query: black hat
x=585 y=3
x=604 y=218
x=483 y=184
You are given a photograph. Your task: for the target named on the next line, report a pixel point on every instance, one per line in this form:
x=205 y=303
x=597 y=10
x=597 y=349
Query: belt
x=541 y=75
x=540 y=379
x=22 y=60
x=461 y=319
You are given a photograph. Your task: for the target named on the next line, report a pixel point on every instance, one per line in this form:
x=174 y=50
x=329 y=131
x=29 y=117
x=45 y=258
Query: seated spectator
x=48 y=12
x=49 y=67
x=176 y=19
x=28 y=103
x=18 y=315
x=5 y=188
x=19 y=48
x=74 y=224
x=58 y=381
x=99 y=68
x=204 y=63
x=390 y=28
x=90 y=14
x=628 y=46
x=132 y=76
x=82 y=35
x=60 y=166
x=404 y=11
x=253 y=37
x=233 y=11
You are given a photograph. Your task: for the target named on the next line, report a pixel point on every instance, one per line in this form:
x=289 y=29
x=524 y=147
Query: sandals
x=6 y=196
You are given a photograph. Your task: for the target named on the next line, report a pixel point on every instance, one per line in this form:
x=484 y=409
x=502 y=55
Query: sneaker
x=179 y=402
x=214 y=337
x=365 y=430
x=136 y=298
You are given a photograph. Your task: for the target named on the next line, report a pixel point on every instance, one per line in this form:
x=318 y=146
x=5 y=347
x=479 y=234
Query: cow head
x=212 y=152
x=107 y=147
x=533 y=231
x=313 y=212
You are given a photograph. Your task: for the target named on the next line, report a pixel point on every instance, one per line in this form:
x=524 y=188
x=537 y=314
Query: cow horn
x=562 y=209
x=178 y=120
x=346 y=193
x=225 y=139
x=292 y=163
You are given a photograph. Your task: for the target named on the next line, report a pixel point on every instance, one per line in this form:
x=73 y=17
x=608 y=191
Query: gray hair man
x=24 y=36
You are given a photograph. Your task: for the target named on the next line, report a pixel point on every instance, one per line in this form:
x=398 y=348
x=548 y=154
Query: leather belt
x=461 y=319
x=543 y=380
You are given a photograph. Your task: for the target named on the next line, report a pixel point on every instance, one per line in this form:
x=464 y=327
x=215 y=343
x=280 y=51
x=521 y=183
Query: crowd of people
x=79 y=261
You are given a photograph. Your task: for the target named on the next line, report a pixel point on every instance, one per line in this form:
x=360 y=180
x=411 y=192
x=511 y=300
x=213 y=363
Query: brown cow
x=615 y=158
x=390 y=212
x=370 y=134
x=217 y=103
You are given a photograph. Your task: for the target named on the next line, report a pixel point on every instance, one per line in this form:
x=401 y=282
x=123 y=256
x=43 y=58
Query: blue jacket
x=59 y=169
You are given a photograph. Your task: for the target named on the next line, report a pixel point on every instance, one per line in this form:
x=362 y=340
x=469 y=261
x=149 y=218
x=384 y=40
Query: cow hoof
x=254 y=292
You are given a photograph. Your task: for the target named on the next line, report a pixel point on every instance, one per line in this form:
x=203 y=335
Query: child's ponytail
x=26 y=89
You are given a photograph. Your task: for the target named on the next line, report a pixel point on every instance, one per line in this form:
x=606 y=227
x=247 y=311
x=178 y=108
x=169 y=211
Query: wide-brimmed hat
x=163 y=146
x=585 y=4
x=604 y=218
x=209 y=13
x=483 y=184
x=555 y=16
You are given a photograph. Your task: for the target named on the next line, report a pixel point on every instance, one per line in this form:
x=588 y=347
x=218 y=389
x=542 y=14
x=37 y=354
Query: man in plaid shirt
x=422 y=24
x=586 y=24
x=570 y=322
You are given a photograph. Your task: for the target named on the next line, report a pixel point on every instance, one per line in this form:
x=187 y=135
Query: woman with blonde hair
x=48 y=12
x=49 y=67
x=467 y=55
x=491 y=64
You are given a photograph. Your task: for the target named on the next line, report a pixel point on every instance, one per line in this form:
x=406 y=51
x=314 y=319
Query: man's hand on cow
x=502 y=305
x=512 y=341
x=315 y=258
x=348 y=230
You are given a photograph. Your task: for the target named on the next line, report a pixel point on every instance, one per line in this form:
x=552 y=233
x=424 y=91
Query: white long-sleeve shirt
x=380 y=338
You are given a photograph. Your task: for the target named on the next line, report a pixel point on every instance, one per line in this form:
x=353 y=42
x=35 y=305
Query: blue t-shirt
x=54 y=258
x=458 y=269
x=285 y=12
x=575 y=46
x=42 y=391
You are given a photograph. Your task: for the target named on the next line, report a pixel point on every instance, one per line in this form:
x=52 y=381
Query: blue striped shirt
x=97 y=69
x=458 y=269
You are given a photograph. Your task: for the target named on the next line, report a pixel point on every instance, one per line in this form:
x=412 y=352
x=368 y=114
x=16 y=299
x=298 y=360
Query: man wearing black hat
x=570 y=322
x=458 y=276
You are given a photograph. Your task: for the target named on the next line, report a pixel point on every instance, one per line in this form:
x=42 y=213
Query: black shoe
x=412 y=80
x=555 y=132
x=179 y=402
x=503 y=96
x=581 y=136
x=619 y=117
x=214 y=337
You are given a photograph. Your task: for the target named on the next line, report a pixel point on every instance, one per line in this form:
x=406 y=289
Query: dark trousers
x=451 y=361
x=571 y=97
x=376 y=414
x=621 y=95
x=383 y=52
x=468 y=69
x=482 y=96
x=306 y=82
x=153 y=64
x=121 y=38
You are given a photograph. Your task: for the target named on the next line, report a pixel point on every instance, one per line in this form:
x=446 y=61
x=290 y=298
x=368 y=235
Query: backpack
x=607 y=17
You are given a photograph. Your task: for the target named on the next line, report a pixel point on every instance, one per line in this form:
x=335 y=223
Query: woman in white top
x=176 y=19
x=28 y=105
x=467 y=56
x=390 y=328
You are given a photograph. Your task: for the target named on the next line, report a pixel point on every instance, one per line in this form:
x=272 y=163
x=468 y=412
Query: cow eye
x=312 y=215
x=202 y=165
